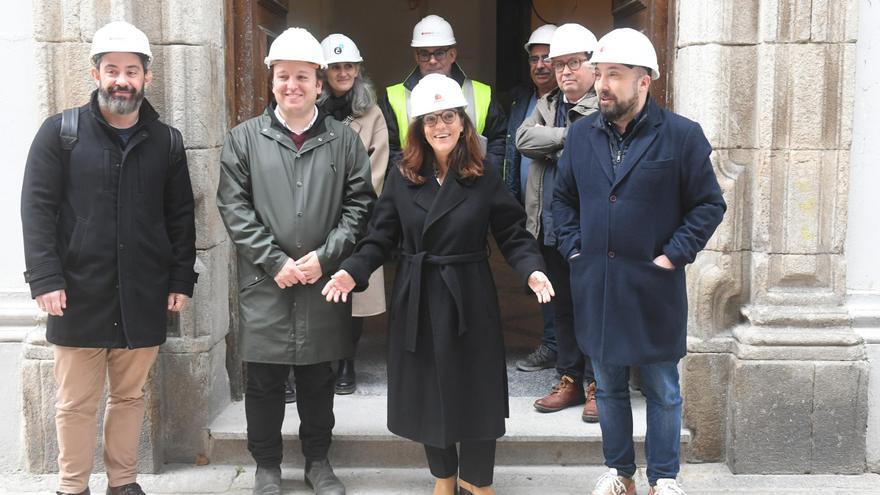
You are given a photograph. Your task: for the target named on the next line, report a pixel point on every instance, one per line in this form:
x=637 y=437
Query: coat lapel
x=450 y=195
x=599 y=141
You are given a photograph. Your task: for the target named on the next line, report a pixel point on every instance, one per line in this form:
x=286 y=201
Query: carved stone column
x=786 y=377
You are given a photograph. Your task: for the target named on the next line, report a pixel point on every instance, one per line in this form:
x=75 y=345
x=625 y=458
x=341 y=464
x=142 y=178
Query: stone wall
x=776 y=380
x=189 y=384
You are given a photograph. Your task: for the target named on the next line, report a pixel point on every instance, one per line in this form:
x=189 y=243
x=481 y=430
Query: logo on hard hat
x=438 y=97
x=424 y=33
x=338 y=49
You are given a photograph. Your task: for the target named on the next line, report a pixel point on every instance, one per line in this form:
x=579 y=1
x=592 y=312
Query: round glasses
x=573 y=64
x=447 y=116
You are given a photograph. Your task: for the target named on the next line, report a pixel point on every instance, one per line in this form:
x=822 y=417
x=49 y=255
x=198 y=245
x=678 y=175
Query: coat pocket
x=74 y=247
x=658 y=164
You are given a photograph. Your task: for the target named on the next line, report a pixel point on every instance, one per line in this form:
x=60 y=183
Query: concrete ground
x=697 y=479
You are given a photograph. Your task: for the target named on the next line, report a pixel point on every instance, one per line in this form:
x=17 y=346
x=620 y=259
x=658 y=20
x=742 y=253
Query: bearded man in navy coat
x=636 y=199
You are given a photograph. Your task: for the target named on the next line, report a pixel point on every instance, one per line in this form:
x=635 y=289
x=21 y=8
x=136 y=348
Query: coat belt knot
x=450 y=278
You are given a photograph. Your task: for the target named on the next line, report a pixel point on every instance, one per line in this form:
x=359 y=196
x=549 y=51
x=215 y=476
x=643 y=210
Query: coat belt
x=450 y=278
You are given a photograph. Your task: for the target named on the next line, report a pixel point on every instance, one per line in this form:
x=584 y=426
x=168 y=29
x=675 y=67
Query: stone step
x=361 y=438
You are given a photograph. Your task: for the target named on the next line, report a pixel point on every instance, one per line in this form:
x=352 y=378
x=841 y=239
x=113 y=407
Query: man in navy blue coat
x=636 y=199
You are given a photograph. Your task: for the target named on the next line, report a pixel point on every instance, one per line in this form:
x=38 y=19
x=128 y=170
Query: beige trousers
x=80 y=374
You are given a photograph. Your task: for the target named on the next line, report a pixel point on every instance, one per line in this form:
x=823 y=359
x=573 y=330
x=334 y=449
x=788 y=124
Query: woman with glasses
x=349 y=97
x=447 y=382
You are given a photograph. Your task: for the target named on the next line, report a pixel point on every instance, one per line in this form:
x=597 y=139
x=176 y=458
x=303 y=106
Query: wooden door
x=251 y=26
x=652 y=18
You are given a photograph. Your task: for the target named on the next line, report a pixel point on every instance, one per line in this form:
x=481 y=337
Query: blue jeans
x=659 y=383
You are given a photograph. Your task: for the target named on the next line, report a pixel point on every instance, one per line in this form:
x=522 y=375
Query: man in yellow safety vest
x=434 y=51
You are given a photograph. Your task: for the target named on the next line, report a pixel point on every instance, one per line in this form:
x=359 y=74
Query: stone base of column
x=797 y=396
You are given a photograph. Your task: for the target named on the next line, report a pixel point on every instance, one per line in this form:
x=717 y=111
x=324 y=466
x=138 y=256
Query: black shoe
x=542 y=358
x=129 y=489
x=319 y=476
x=84 y=492
x=267 y=481
x=289 y=392
x=346 y=381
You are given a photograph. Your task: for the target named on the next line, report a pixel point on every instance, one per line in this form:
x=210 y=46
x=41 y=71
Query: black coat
x=447 y=379
x=113 y=225
x=663 y=199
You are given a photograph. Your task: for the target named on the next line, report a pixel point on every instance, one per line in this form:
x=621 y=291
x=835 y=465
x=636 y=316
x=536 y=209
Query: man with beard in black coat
x=109 y=237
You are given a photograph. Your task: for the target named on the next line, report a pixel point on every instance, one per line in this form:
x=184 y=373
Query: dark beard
x=621 y=108
x=618 y=109
x=120 y=106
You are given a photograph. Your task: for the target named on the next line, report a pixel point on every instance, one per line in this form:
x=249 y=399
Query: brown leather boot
x=564 y=394
x=591 y=410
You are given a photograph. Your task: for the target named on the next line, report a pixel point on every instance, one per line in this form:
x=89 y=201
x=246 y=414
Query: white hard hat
x=435 y=92
x=432 y=30
x=120 y=36
x=629 y=47
x=541 y=36
x=340 y=48
x=571 y=38
x=296 y=44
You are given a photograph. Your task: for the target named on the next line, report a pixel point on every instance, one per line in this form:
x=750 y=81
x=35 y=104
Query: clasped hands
x=341 y=283
x=306 y=270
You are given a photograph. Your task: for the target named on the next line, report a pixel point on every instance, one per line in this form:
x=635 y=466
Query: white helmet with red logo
x=433 y=30
x=629 y=47
x=435 y=92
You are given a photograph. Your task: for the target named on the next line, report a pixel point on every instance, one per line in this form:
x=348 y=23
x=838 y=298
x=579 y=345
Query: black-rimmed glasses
x=439 y=54
x=447 y=116
x=573 y=64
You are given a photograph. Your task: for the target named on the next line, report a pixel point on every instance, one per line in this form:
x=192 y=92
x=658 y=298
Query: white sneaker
x=611 y=483
x=666 y=486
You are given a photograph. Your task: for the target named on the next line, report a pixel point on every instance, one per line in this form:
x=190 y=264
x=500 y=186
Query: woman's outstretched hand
x=541 y=286
x=341 y=284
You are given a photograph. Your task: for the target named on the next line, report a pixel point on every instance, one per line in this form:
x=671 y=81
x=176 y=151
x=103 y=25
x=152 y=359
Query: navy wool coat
x=663 y=199
x=447 y=379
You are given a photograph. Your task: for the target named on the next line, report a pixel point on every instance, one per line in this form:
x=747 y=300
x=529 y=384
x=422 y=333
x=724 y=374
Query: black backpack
x=70 y=127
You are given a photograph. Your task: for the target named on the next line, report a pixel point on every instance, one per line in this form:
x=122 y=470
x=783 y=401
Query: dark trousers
x=474 y=461
x=357 y=329
x=570 y=360
x=264 y=409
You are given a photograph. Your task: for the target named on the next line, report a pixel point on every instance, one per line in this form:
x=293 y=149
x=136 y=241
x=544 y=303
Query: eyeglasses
x=573 y=64
x=447 y=116
x=439 y=55
x=534 y=59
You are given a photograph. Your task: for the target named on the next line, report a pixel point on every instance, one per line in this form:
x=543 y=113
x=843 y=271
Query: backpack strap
x=69 y=128
x=176 y=147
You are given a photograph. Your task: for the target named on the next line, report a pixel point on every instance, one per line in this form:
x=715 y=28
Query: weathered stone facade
x=189 y=385
x=776 y=379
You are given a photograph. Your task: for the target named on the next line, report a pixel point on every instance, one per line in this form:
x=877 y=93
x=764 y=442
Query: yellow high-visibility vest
x=477 y=94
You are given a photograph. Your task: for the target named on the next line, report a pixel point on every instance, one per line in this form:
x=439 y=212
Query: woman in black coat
x=447 y=380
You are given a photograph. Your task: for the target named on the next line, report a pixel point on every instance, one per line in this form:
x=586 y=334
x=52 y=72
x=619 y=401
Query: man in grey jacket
x=294 y=192
x=541 y=137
